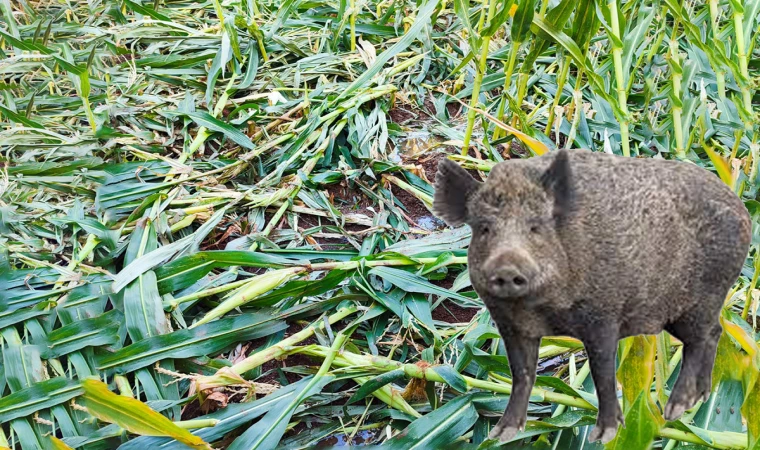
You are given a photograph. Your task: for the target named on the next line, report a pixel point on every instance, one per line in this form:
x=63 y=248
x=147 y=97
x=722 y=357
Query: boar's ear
x=453 y=186
x=558 y=182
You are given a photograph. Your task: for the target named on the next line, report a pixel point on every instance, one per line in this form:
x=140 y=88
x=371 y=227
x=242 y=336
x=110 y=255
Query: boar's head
x=517 y=217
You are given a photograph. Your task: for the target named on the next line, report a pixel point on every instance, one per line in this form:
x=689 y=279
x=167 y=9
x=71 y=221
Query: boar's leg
x=522 y=353
x=601 y=351
x=704 y=381
x=699 y=335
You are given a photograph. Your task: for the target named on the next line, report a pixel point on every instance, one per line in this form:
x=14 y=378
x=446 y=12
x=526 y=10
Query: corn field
x=215 y=225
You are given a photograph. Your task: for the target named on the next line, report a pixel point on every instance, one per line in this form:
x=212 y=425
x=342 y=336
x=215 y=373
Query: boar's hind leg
x=522 y=353
x=699 y=331
x=704 y=382
x=601 y=351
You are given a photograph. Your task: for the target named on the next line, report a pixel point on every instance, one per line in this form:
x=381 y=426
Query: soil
x=518 y=149
x=454 y=109
x=270 y=375
x=341 y=440
x=415 y=209
x=562 y=139
x=349 y=200
x=298 y=429
x=450 y=312
x=325 y=243
x=401 y=115
x=429 y=165
x=191 y=410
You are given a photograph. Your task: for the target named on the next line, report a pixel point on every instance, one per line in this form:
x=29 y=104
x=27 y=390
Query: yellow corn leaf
x=731 y=363
x=642 y=422
x=740 y=363
x=58 y=444
x=133 y=415
x=751 y=410
x=724 y=171
x=636 y=374
x=661 y=367
x=746 y=341
x=636 y=371
x=734 y=363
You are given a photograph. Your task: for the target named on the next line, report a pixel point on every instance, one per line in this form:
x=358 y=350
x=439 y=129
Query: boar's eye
x=483 y=229
x=537 y=226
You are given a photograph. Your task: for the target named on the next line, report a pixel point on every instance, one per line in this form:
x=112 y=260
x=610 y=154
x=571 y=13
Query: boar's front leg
x=601 y=351
x=522 y=352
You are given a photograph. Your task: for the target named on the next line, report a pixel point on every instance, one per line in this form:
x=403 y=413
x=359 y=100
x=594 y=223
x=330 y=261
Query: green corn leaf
x=462 y=10
x=423 y=16
x=205 y=119
x=207 y=339
x=267 y=432
x=146 y=11
x=751 y=13
x=252 y=67
x=499 y=18
x=557 y=17
x=256 y=287
x=18 y=118
x=520 y=30
x=229 y=418
x=572 y=48
x=438 y=428
x=376 y=383
x=58 y=444
x=451 y=376
x=585 y=23
x=31 y=46
x=410 y=282
x=633 y=40
x=144 y=308
x=40 y=396
x=642 y=424
x=102 y=330
x=186 y=270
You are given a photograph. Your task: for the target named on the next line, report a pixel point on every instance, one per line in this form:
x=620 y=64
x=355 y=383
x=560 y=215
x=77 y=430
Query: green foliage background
x=171 y=172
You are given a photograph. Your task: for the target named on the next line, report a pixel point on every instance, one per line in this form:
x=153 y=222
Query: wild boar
x=599 y=247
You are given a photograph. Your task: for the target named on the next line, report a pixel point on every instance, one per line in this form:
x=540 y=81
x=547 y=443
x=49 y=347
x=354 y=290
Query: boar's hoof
x=685 y=395
x=605 y=433
x=505 y=433
x=674 y=409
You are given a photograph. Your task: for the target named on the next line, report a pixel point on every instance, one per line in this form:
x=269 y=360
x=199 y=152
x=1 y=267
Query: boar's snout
x=510 y=274
x=508 y=282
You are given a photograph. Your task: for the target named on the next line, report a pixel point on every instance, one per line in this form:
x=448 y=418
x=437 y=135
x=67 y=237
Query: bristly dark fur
x=558 y=181
x=453 y=187
x=599 y=247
